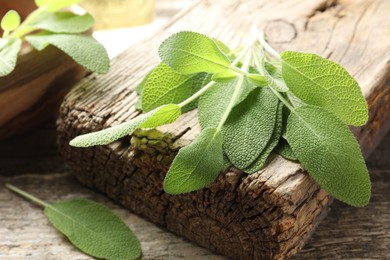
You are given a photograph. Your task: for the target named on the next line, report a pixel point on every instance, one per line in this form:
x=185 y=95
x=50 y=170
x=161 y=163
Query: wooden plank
x=265 y=215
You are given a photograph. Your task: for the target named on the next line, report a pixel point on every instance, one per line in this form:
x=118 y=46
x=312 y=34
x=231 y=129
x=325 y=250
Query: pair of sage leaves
x=251 y=104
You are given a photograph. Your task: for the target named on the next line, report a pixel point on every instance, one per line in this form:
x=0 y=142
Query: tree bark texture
x=266 y=215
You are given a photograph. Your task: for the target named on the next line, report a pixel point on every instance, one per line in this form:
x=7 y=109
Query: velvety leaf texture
x=284 y=150
x=261 y=160
x=9 y=49
x=166 y=114
x=196 y=165
x=324 y=83
x=64 y=22
x=225 y=49
x=85 y=50
x=190 y=52
x=94 y=229
x=329 y=152
x=165 y=86
x=213 y=104
x=249 y=127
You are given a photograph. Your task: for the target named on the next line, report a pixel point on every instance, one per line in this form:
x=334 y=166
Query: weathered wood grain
x=265 y=215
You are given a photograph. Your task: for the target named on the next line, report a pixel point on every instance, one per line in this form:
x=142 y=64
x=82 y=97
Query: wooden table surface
x=32 y=163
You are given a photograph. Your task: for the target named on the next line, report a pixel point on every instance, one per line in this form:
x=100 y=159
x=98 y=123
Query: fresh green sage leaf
x=224 y=76
x=10 y=21
x=225 y=49
x=260 y=162
x=213 y=104
x=90 y=226
x=329 y=152
x=190 y=52
x=94 y=229
x=63 y=22
x=160 y=116
x=284 y=149
x=196 y=165
x=324 y=83
x=164 y=115
x=257 y=79
x=9 y=49
x=165 y=86
x=249 y=127
x=84 y=49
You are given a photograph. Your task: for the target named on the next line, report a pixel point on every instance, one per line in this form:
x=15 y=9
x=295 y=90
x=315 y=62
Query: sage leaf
x=10 y=21
x=321 y=82
x=249 y=127
x=284 y=150
x=225 y=49
x=84 y=49
x=260 y=162
x=165 y=86
x=257 y=79
x=190 y=52
x=329 y=152
x=63 y=22
x=213 y=104
x=224 y=76
x=94 y=229
x=164 y=115
x=90 y=226
x=159 y=116
x=9 y=49
x=196 y=165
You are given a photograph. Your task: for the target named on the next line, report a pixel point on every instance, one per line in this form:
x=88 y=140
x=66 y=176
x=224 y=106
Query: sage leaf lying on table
x=252 y=102
x=91 y=227
x=48 y=25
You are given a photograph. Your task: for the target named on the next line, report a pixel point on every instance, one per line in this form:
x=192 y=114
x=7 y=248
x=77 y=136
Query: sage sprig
x=90 y=226
x=251 y=104
x=50 y=25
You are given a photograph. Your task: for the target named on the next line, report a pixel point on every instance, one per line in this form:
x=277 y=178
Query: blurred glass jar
x=111 y=14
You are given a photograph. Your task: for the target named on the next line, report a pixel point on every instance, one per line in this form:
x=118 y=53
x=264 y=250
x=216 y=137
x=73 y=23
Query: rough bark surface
x=266 y=215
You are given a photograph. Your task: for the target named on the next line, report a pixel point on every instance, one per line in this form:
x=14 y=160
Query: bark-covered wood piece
x=264 y=215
